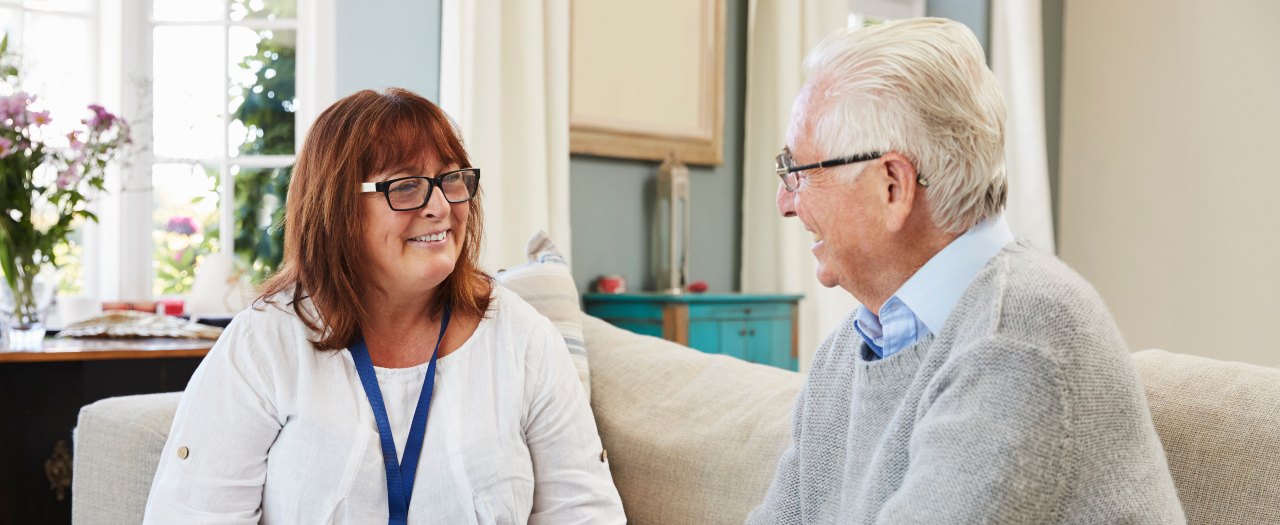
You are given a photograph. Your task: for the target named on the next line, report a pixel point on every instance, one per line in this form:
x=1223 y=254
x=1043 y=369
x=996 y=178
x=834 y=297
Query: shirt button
x=183 y=452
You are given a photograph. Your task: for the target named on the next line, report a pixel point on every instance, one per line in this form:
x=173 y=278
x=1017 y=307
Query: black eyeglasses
x=411 y=193
x=789 y=172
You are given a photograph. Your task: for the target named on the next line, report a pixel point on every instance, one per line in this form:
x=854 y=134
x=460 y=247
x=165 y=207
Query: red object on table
x=697 y=286
x=162 y=306
x=170 y=307
x=611 y=284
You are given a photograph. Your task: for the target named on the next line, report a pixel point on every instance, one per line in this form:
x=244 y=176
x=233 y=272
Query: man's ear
x=899 y=190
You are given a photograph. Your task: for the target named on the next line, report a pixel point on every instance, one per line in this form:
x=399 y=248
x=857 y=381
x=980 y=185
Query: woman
x=380 y=346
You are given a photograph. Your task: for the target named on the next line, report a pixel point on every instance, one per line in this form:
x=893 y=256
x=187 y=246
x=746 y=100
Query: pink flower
x=40 y=118
x=15 y=107
x=73 y=140
x=69 y=177
x=101 y=119
x=6 y=147
x=182 y=226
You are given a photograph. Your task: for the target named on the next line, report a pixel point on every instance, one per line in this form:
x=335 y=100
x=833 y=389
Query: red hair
x=362 y=135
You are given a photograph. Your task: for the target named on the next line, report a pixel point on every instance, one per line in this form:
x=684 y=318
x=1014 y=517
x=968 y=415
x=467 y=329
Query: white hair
x=919 y=87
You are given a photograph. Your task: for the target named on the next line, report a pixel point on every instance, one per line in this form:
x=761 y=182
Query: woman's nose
x=437 y=205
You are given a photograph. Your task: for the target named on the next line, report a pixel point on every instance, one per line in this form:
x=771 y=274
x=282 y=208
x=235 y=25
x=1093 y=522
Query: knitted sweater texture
x=1024 y=408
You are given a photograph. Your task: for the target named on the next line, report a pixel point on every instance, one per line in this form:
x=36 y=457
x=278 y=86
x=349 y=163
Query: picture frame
x=646 y=80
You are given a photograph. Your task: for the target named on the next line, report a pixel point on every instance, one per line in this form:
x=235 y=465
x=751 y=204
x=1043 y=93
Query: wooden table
x=56 y=349
x=41 y=393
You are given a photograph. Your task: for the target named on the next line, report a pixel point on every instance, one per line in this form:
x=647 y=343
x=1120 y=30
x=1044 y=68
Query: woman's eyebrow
x=413 y=170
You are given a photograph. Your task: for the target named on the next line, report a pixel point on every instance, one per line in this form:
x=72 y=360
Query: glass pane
x=263 y=9
x=185 y=219
x=260 y=198
x=71 y=262
x=188 y=10
x=9 y=26
x=262 y=91
x=60 y=68
x=187 y=92
x=74 y=6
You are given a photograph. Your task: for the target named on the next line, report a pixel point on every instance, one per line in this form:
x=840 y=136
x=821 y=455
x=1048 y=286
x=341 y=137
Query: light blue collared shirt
x=924 y=302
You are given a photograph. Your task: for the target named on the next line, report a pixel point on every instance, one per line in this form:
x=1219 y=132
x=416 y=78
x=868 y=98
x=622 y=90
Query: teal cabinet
x=756 y=328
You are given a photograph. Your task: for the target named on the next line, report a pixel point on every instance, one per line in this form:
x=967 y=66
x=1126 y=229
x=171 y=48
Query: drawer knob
x=747 y=311
x=751 y=332
x=742 y=333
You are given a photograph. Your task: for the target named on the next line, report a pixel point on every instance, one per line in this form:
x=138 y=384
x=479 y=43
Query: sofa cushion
x=117 y=449
x=546 y=283
x=1220 y=425
x=691 y=437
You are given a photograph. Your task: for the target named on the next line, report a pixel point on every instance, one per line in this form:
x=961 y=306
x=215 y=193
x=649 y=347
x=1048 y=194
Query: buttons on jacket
x=183 y=452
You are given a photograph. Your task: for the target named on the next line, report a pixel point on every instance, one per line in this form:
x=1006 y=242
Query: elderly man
x=982 y=380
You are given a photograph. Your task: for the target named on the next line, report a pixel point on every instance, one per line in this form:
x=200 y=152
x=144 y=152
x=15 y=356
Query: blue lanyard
x=399 y=475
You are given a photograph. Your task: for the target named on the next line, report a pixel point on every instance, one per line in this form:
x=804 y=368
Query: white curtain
x=1017 y=61
x=775 y=251
x=504 y=77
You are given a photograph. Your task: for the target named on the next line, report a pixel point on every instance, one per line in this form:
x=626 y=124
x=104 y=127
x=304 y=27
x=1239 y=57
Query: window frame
x=122 y=255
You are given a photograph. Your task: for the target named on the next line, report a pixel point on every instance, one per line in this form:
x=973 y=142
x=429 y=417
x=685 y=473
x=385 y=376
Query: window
x=224 y=123
x=218 y=92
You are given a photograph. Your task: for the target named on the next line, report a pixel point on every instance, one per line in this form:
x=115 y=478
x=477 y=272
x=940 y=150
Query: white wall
x=388 y=43
x=1170 y=196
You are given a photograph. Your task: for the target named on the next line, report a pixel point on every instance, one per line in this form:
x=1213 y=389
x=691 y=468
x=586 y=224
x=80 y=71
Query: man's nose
x=786 y=201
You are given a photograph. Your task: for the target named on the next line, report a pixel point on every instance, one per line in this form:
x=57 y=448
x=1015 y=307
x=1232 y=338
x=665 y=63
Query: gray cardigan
x=1024 y=408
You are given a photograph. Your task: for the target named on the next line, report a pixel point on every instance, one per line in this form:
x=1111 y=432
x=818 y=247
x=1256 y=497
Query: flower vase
x=24 y=305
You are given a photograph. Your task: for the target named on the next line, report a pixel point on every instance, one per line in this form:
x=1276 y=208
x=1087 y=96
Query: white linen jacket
x=270 y=430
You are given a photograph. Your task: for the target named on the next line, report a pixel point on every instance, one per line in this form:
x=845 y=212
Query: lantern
x=671 y=226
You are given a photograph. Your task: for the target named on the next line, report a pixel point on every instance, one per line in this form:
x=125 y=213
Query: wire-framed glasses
x=790 y=173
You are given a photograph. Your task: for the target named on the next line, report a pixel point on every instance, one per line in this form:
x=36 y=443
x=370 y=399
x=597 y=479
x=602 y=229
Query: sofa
x=694 y=438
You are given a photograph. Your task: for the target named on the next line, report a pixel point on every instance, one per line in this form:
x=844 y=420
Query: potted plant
x=46 y=182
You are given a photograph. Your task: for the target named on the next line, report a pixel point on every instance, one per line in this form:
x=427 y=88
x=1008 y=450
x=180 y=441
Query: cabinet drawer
x=741 y=311
x=612 y=311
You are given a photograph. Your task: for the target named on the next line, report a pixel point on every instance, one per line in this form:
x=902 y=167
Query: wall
x=388 y=43
x=1051 y=18
x=973 y=13
x=611 y=199
x=1169 y=116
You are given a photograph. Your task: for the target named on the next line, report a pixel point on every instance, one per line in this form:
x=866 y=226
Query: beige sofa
x=693 y=438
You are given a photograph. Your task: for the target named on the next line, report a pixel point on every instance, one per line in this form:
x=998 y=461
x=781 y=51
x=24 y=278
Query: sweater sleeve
x=572 y=482
x=991 y=441
x=781 y=504
x=214 y=463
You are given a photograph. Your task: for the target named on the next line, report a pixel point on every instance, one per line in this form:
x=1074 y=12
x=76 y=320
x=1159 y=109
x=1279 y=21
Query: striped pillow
x=546 y=283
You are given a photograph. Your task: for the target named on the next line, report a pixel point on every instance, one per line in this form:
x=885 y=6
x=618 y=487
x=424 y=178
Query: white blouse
x=270 y=430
